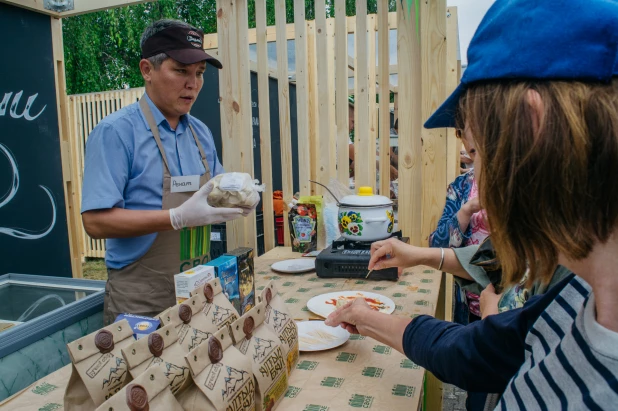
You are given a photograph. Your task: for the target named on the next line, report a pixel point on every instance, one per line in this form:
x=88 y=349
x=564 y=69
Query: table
x=360 y=374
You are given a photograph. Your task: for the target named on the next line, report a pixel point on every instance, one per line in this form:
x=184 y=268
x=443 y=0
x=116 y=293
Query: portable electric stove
x=349 y=259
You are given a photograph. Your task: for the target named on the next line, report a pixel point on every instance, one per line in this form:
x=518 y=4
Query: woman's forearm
x=388 y=329
x=463 y=217
x=432 y=257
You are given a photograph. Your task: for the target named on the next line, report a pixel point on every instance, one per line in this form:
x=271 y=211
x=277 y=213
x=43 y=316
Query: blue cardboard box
x=246 y=277
x=142 y=326
x=226 y=269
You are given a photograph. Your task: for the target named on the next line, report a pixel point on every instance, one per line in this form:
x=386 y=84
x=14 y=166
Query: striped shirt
x=571 y=360
x=550 y=354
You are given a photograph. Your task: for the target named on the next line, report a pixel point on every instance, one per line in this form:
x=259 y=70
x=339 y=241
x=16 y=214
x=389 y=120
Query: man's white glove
x=196 y=212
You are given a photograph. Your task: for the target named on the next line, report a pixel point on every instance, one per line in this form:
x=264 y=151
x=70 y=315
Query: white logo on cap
x=195 y=39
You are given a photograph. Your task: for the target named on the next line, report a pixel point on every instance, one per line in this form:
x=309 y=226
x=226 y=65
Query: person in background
x=462 y=224
x=146 y=177
x=529 y=98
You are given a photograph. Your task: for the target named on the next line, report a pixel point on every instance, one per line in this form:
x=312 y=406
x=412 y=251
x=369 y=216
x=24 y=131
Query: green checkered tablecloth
x=362 y=373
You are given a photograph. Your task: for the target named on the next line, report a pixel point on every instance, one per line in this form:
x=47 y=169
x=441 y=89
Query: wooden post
x=371 y=99
x=364 y=169
x=302 y=98
x=384 y=112
x=284 y=113
x=410 y=124
x=453 y=144
x=313 y=104
x=341 y=93
x=229 y=97
x=264 y=107
x=452 y=80
x=332 y=119
x=433 y=49
x=244 y=139
x=68 y=169
x=323 y=95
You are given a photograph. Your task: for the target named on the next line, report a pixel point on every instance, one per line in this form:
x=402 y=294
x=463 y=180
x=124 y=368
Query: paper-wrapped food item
x=255 y=341
x=217 y=309
x=161 y=349
x=99 y=370
x=279 y=320
x=222 y=375
x=191 y=325
x=234 y=190
x=150 y=391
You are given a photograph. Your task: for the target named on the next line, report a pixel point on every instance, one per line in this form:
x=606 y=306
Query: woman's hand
x=351 y=316
x=471 y=207
x=489 y=301
x=392 y=253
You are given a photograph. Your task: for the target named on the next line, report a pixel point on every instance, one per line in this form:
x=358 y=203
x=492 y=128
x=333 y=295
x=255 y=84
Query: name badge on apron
x=184 y=184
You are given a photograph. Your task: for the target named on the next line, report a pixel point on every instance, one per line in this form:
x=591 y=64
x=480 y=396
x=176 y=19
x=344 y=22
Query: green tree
x=102 y=50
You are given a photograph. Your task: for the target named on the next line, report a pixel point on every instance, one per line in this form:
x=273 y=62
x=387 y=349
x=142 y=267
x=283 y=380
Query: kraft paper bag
x=279 y=320
x=222 y=375
x=255 y=341
x=99 y=370
x=218 y=310
x=160 y=349
x=193 y=328
x=150 y=391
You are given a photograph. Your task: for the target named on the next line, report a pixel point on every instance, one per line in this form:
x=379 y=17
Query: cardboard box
x=246 y=277
x=226 y=269
x=142 y=326
x=189 y=280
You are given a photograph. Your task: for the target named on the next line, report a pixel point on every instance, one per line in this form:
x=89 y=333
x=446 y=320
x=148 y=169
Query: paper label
x=231 y=182
x=183 y=184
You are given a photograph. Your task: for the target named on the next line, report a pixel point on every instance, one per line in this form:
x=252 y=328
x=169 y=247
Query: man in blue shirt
x=146 y=177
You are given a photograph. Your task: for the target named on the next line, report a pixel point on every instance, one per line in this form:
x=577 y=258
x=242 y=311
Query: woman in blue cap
x=540 y=98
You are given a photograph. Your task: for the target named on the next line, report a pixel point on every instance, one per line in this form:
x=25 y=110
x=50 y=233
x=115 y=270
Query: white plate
x=295 y=266
x=325 y=304
x=311 y=336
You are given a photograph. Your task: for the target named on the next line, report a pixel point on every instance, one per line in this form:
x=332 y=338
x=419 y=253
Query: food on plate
x=316 y=337
x=342 y=300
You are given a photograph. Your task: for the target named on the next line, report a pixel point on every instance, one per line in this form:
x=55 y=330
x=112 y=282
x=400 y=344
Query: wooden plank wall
x=383 y=81
x=408 y=101
x=433 y=58
x=364 y=169
x=264 y=112
x=302 y=98
x=323 y=96
x=341 y=91
x=453 y=144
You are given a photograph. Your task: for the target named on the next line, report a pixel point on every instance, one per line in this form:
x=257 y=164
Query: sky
x=471 y=13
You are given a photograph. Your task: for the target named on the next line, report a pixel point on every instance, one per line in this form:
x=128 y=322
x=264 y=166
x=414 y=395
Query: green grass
x=94 y=269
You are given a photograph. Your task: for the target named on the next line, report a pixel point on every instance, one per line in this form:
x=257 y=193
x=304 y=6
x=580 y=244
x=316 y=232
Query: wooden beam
x=452 y=45
x=433 y=49
x=245 y=138
x=264 y=112
x=302 y=98
x=32 y=5
x=68 y=166
x=324 y=171
x=229 y=96
x=364 y=157
x=410 y=125
x=341 y=93
x=90 y=6
x=285 y=134
x=211 y=40
x=371 y=97
x=312 y=74
x=332 y=120
x=384 y=112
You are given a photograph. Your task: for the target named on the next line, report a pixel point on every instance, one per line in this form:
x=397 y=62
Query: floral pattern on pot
x=391 y=218
x=350 y=223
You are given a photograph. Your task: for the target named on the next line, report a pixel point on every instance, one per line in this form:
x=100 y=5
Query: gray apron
x=146 y=287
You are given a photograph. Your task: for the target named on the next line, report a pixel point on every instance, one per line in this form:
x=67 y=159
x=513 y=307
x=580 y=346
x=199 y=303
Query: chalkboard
x=33 y=223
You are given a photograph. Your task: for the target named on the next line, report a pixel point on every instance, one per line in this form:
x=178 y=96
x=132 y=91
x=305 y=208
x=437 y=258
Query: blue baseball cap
x=539 y=40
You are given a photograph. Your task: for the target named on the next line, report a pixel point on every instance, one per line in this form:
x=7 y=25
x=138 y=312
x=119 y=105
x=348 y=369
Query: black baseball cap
x=183 y=44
